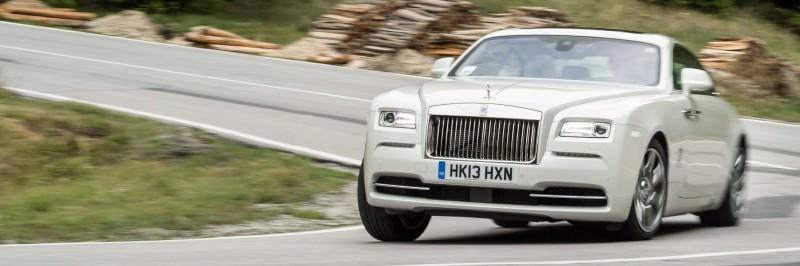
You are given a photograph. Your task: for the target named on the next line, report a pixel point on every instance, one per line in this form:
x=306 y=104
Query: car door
x=704 y=156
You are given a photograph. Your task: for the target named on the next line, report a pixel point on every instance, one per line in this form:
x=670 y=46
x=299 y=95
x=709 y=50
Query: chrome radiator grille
x=482 y=138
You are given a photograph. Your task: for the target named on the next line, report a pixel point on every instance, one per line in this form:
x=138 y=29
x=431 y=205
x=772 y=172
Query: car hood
x=534 y=94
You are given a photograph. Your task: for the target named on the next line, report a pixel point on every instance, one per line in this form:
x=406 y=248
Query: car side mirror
x=695 y=81
x=441 y=66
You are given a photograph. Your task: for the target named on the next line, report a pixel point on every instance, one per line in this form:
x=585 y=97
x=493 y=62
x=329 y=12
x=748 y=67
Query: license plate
x=473 y=172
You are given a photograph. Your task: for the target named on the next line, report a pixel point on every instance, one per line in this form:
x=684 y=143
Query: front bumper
x=613 y=171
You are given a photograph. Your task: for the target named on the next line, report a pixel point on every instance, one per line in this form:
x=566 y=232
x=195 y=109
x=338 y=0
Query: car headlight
x=585 y=130
x=397 y=119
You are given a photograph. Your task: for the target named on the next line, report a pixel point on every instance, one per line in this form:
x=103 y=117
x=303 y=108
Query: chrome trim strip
x=535 y=195
x=493 y=111
x=401 y=187
x=397 y=144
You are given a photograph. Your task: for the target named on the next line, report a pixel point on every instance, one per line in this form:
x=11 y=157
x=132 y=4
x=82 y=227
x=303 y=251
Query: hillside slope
x=691 y=27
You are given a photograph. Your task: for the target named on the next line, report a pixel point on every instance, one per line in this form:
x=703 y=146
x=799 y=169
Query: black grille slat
x=482 y=138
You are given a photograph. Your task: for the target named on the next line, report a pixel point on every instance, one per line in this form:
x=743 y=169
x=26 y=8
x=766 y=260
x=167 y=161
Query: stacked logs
x=209 y=37
x=454 y=43
x=41 y=13
x=408 y=26
x=747 y=57
x=347 y=25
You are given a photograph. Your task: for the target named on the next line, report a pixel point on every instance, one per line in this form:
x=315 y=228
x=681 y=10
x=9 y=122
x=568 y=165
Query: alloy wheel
x=651 y=191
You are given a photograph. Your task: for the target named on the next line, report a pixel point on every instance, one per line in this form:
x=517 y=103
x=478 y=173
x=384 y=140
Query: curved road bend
x=307 y=105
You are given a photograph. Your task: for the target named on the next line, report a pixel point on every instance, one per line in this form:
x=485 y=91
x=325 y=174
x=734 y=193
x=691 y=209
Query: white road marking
x=266 y=58
x=773 y=165
x=767 y=121
x=188 y=74
x=213 y=129
x=302 y=233
x=625 y=260
x=247 y=137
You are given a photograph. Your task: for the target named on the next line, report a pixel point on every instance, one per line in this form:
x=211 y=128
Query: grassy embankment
x=71 y=172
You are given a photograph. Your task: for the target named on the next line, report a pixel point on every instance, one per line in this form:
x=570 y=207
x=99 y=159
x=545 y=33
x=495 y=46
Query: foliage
x=693 y=28
x=71 y=172
x=277 y=21
x=783 y=12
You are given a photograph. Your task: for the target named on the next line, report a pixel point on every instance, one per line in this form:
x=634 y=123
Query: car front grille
x=482 y=138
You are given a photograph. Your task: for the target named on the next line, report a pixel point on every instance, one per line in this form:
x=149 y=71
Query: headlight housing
x=397 y=119
x=585 y=129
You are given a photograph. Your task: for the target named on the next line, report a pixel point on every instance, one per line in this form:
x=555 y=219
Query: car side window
x=682 y=58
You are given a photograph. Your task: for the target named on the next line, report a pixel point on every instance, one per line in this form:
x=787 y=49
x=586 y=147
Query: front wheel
x=728 y=212
x=386 y=227
x=650 y=196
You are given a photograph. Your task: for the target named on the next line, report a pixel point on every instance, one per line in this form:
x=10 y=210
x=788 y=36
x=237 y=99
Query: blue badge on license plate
x=442 y=169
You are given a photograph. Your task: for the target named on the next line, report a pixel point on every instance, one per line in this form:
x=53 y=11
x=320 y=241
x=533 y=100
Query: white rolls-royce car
x=592 y=127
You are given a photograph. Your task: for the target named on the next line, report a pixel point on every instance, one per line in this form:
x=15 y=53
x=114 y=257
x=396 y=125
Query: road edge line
x=624 y=260
x=769 y=165
x=232 y=134
x=194 y=75
x=769 y=121
x=749 y=118
x=299 y=233
x=206 y=50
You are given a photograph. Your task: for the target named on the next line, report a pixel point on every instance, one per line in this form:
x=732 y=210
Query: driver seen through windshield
x=564 y=57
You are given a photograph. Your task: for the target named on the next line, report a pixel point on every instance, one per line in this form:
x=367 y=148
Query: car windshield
x=563 y=57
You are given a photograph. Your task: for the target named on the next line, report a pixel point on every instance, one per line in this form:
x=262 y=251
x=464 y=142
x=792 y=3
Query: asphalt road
x=319 y=110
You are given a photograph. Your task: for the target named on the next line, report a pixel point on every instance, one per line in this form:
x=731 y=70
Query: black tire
x=727 y=214
x=632 y=229
x=511 y=223
x=386 y=227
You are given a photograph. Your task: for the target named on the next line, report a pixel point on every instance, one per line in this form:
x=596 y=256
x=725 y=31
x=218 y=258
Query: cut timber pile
x=208 y=37
x=747 y=57
x=409 y=25
x=347 y=25
x=454 y=43
x=375 y=31
x=36 y=11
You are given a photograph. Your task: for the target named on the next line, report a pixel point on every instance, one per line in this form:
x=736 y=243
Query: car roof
x=656 y=39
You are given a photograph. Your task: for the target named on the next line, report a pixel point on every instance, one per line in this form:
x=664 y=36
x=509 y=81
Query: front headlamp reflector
x=397 y=119
x=585 y=129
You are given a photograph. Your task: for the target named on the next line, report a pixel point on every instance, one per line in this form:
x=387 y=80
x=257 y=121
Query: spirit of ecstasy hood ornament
x=488 y=92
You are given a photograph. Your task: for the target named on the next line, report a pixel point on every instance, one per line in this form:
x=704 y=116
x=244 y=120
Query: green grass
x=268 y=31
x=277 y=25
x=688 y=26
x=308 y=214
x=71 y=172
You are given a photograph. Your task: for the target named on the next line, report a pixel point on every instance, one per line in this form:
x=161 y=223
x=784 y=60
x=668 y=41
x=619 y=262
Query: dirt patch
x=406 y=61
x=305 y=49
x=129 y=24
x=20 y=129
x=339 y=209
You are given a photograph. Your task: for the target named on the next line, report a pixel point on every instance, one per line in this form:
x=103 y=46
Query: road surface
x=319 y=111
